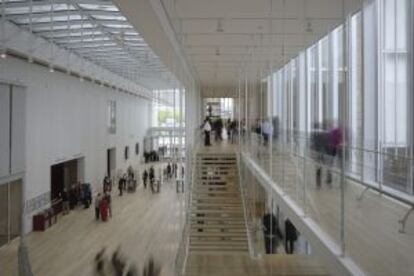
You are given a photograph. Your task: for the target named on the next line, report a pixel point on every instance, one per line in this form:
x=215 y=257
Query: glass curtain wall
x=166 y=121
x=353 y=87
x=313 y=92
x=393 y=136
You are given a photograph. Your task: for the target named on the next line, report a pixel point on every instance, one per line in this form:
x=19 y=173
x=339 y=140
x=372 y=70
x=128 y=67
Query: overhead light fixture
x=3 y=54
x=30 y=59
x=218 y=51
x=81 y=79
x=309 y=28
x=51 y=69
x=219 y=26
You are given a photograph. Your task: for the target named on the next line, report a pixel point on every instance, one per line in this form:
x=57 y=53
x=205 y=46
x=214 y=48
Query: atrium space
x=206 y=137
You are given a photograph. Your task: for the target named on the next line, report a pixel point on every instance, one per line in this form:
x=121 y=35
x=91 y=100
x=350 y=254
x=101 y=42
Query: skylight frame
x=90 y=29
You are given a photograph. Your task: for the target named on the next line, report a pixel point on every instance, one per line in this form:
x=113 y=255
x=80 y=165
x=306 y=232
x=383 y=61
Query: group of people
x=103 y=206
x=326 y=140
x=232 y=127
x=118 y=265
x=127 y=182
x=273 y=234
x=79 y=193
x=171 y=170
x=267 y=129
x=150 y=175
x=103 y=201
x=217 y=127
x=151 y=156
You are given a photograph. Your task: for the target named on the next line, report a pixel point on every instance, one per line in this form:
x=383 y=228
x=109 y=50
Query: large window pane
x=393 y=135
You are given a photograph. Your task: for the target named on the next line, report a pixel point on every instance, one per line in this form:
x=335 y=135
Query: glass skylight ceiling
x=93 y=29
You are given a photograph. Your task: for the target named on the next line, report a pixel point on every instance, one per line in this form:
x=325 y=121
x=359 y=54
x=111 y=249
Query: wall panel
x=4 y=129
x=18 y=129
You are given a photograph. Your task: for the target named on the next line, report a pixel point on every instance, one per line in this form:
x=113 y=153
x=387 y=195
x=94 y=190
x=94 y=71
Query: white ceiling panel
x=219 y=35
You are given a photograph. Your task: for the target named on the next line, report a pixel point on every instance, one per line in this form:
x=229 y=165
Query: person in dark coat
x=97 y=204
x=271 y=232
x=175 y=169
x=73 y=198
x=290 y=237
x=319 y=144
x=65 y=201
x=151 y=268
x=145 y=178
x=218 y=129
x=169 y=173
x=121 y=185
x=151 y=176
x=118 y=263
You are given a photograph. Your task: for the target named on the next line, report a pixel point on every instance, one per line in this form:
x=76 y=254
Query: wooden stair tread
x=218 y=234
x=216 y=206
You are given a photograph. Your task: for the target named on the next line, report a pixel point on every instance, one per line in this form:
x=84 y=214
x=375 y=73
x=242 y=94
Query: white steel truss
x=92 y=29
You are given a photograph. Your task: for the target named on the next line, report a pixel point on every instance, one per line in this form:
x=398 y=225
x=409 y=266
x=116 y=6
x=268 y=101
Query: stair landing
x=243 y=265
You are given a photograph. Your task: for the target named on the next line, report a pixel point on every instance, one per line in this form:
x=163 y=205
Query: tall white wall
x=67 y=119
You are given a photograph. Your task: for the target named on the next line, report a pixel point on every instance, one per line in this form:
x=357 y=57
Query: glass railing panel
x=361 y=197
x=310 y=178
x=377 y=197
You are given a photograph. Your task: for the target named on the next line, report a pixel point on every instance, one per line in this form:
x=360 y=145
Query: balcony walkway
x=372 y=234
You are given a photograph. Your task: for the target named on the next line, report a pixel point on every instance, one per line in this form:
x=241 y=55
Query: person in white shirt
x=267 y=131
x=207 y=131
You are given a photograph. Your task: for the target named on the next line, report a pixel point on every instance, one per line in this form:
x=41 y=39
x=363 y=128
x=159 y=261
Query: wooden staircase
x=243 y=265
x=217 y=218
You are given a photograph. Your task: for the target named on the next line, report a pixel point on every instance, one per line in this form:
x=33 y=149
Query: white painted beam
x=150 y=20
x=30 y=45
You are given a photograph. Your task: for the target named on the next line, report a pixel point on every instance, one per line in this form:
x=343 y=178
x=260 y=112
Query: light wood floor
x=143 y=224
x=372 y=234
x=243 y=265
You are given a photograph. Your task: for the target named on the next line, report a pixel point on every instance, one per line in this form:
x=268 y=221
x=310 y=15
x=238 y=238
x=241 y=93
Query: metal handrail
x=403 y=198
x=305 y=135
x=183 y=249
x=243 y=194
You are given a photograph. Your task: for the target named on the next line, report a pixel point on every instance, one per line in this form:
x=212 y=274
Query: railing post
x=243 y=195
x=305 y=209
x=343 y=160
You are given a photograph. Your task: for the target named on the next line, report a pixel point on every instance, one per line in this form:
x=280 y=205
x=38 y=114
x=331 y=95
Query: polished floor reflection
x=143 y=224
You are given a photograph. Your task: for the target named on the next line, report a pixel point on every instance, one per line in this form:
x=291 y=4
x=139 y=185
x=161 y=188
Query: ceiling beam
x=76 y=22
x=152 y=22
x=58 y=13
x=47 y=3
x=63 y=32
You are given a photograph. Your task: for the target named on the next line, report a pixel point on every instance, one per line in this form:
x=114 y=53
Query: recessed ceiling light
x=309 y=28
x=218 y=51
x=219 y=26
